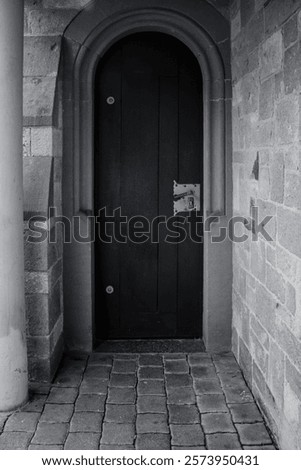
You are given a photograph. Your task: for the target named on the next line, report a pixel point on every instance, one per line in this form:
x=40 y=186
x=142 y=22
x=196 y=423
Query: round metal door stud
x=110 y=100
x=109 y=289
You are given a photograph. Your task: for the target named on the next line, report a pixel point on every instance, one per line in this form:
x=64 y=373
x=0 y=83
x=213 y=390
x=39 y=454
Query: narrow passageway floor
x=140 y=401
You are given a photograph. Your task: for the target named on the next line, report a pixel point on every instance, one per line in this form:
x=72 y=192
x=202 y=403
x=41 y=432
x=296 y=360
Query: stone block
x=266 y=98
x=199 y=359
x=153 y=442
x=41 y=56
x=217 y=422
x=60 y=395
x=37 y=314
x=276 y=373
x=287 y=120
x=262 y=134
x=97 y=359
x=98 y=372
x=292 y=69
x=292 y=197
x=39 y=93
x=207 y=387
x=183 y=414
x=271 y=255
x=120 y=414
x=247 y=10
x=90 y=403
x=37 y=194
x=288 y=342
x=151 y=404
x=124 y=367
x=264 y=183
x=260 y=332
x=49 y=22
x=82 y=441
x=36 y=258
x=50 y=434
x=57 y=413
x=121 y=396
x=41 y=141
x=271 y=55
x=122 y=380
x=151 y=387
x=15 y=440
x=176 y=367
x=245 y=413
x=222 y=441
x=275 y=283
x=150 y=373
x=277 y=12
x=150 y=360
x=22 y=421
x=250 y=93
x=152 y=423
x=290 y=297
x=178 y=380
x=290 y=31
x=237 y=393
x=206 y=371
x=293 y=377
x=258 y=260
x=181 y=396
x=289 y=230
x=235 y=25
x=245 y=361
x=259 y=353
x=26 y=142
x=36 y=283
x=211 y=404
x=277 y=177
x=187 y=435
x=35 y=404
x=253 y=434
x=66 y=4
x=117 y=434
x=86 y=422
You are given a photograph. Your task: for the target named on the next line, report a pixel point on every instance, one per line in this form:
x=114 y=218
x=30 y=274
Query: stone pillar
x=13 y=354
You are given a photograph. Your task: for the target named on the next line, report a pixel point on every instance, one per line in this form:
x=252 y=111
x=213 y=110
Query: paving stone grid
x=140 y=401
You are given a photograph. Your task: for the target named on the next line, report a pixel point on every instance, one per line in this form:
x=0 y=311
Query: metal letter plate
x=186 y=197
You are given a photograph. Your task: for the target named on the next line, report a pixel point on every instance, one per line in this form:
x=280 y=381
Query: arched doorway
x=86 y=40
x=148 y=134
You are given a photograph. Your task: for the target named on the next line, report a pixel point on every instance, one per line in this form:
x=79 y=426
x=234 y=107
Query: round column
x=13 y=354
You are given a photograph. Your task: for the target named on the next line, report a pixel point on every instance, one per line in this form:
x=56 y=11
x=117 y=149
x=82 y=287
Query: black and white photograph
x=150 y=239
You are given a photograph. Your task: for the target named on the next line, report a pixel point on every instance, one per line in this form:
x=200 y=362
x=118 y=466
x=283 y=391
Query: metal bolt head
x=110 y=100
x=109 y=289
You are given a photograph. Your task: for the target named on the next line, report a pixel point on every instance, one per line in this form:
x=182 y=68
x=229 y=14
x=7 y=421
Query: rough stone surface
x=266 y=114
x=61 y=416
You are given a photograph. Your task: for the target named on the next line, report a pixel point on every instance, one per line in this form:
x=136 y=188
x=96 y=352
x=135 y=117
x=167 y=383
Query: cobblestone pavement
x=145 y=401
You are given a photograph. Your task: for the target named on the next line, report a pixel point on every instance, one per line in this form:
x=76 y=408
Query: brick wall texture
x=266 y=68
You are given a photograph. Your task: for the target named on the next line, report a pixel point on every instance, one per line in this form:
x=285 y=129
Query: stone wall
x=266 y=67
x=45 y=21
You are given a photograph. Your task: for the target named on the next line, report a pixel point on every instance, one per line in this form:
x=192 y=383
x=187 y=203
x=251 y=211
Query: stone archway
x=206 y=33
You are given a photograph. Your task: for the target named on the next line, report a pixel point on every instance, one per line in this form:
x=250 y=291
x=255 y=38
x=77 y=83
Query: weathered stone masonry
x=45 y=22
x=266 y=68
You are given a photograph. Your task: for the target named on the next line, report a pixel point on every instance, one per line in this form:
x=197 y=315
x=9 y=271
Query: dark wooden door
x=148 y=133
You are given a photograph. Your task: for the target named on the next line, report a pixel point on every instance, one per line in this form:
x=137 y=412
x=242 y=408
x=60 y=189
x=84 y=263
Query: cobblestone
x=82 y=441
x=146 y=401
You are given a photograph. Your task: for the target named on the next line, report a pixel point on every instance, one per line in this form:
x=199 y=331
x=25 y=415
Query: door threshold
x=150 y=346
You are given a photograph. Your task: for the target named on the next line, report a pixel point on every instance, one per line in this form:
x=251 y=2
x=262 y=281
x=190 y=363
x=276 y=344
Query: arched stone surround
x=201 y=28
